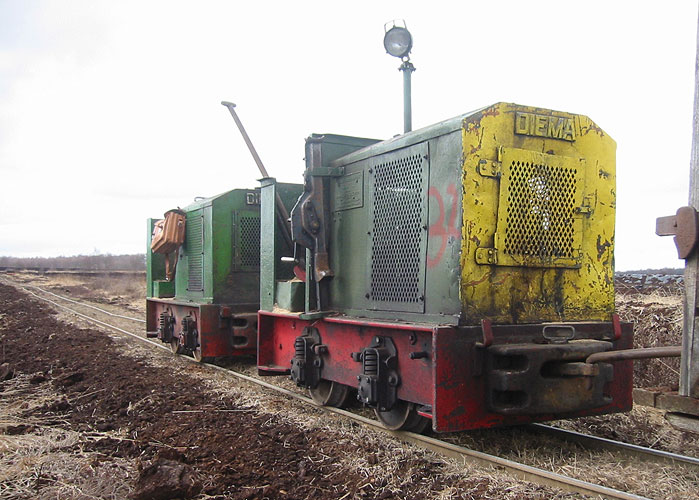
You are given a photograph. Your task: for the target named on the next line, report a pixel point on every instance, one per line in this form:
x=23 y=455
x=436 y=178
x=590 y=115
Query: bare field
x=655 y=309
x=154 y=426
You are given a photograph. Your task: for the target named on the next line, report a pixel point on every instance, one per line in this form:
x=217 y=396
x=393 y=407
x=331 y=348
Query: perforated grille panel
x=538 y=224
x=249 y=241
x=540 y=210
x=398 y=236
x=194 y=248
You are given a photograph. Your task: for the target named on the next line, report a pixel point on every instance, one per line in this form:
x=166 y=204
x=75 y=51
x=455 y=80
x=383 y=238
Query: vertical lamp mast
x=398 y=42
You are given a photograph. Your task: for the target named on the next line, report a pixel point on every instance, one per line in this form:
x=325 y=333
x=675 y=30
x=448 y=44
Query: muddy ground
x=87 y=414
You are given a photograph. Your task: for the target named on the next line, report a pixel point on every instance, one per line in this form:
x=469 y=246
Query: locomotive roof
x=408 y=139
x=403 y=140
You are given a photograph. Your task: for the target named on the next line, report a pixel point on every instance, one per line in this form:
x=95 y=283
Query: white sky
x=109 y=110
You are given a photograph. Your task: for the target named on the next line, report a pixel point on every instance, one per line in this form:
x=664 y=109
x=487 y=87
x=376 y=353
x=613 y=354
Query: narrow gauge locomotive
x=208 y=306
x=458 y=275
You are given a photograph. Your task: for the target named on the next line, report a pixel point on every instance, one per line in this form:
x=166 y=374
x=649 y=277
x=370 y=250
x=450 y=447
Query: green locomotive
x=208 y=306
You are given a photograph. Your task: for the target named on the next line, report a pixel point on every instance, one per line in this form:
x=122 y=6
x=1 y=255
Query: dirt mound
x=164 y=479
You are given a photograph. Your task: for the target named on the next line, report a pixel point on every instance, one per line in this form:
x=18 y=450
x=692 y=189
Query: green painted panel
x=268 y=251
x=194 y=251
x=234 y=215
x=290 y=295
x=440 y=202
x=163 y=289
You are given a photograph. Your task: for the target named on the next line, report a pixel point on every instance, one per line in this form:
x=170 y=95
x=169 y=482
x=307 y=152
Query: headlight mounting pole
x=398 y=42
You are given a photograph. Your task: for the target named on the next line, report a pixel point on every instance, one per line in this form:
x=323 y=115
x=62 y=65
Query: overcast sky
x=109 y=110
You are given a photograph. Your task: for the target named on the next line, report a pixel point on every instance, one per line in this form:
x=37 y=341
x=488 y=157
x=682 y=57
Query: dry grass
x=40 y=459
x=643 y=426
x=657 y=319
x=122 y=290
x=617 y=471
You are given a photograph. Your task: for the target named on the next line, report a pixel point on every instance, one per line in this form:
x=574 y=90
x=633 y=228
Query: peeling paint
x=591 y=126
x=602 y=247
x=491 y=111
x=519 y=288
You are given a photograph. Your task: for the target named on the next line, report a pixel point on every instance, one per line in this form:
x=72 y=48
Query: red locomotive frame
x=212 y=331
x=442 y=369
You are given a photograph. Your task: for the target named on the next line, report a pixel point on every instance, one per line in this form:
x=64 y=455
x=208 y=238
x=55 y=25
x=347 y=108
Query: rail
x=104 y=311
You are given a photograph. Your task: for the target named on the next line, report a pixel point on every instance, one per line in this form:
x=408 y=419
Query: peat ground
x=81 y=418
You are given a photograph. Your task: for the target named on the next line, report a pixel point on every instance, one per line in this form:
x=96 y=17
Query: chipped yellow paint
x=503 y=285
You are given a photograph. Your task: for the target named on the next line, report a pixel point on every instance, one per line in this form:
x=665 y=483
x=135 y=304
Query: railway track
x=443 y=448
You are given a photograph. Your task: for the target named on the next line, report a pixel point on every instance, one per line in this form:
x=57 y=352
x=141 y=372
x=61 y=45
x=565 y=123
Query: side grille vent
x=249 y=241
x=398 y=239
x=194 y=248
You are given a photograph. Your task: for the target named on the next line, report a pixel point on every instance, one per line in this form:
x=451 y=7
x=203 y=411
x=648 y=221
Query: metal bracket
x=586 y=207
x=378 y=383
x=310 y=217
x=166 y=326
x=307 y=363
x=684 y=226
x=314 y=315
x=558 y=334
x=328 y=171
x=489 y=168
x=190 y=333
x=486 y=256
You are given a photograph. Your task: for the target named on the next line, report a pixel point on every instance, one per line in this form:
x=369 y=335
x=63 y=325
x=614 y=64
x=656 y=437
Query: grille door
x=398 y=219
x=539 y=220
x=194 y=249
x=246 y=234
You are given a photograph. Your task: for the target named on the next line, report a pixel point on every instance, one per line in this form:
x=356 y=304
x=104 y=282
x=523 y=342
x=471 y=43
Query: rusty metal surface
x=283 y=215
x=310 y=215
x=642 y=353
x=684 y=226
x=221 y=330
x=546 y=378
x=461 y=382
x=443 y=368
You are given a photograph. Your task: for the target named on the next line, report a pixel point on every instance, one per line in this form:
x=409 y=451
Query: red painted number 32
x=442 y=228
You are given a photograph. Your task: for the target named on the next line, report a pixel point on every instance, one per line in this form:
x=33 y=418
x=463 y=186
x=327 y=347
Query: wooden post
x=689 y=371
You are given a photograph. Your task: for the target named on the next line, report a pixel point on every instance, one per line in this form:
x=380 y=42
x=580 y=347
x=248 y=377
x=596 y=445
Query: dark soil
x=185 y=440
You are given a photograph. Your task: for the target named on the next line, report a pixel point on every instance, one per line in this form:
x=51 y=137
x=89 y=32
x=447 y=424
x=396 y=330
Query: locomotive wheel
x=403 y=417
x=175 y=346
x=329 y=393
x=196 y=354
